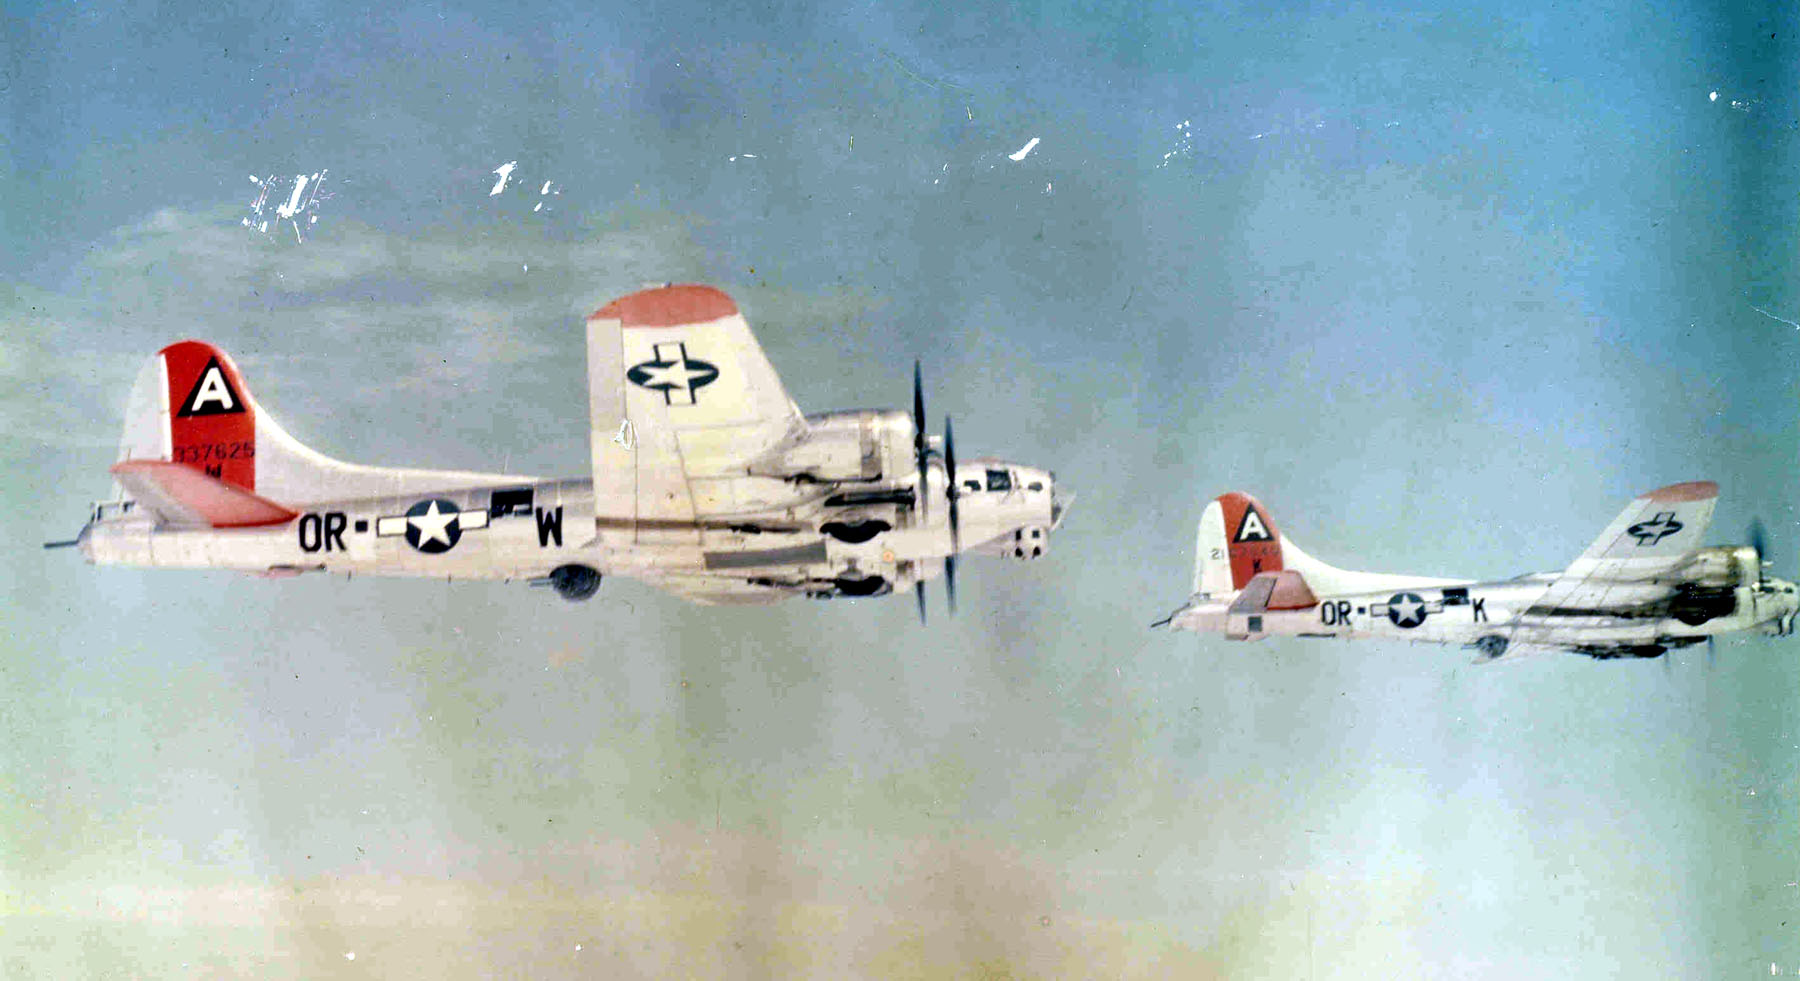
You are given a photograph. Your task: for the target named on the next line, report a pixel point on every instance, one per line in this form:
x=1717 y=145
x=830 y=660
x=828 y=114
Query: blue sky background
x=1444 y=288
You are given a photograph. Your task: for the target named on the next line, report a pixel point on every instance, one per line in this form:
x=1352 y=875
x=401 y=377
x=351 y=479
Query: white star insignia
x=433 y=525
x=678 y=375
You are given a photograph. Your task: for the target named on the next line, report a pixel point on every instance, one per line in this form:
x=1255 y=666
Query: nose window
x=999 y=480
x=971 y=485
x=1036 y=485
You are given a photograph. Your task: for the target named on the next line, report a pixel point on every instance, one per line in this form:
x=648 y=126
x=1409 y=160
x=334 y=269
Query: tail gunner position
x=706 y=482
x=1643 y=587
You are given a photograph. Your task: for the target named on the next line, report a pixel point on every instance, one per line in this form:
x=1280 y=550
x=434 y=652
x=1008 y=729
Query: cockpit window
x=971 y=485
x=1036 y=485
x=999 y=480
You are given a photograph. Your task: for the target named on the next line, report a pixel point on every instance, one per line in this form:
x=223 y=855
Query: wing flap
x=184 y=497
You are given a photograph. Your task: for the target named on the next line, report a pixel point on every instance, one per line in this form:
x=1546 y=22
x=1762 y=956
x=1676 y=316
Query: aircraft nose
x=1060 y=501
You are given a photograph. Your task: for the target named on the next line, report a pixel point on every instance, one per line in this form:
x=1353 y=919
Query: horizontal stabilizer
x=188 y=498
x=1275 y=591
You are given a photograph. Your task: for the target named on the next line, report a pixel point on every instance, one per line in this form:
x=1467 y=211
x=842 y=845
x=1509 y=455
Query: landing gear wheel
x=854 y=534
x=575 y=582
x=1491 y=646
x=870 y=586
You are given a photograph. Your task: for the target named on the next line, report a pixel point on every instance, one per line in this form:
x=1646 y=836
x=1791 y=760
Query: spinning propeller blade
x=1759 y=540
x=918 y=409
x=921 y=443
x=951 y=492
x=922 y=453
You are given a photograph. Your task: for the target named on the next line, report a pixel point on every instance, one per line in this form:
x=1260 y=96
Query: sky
x=1444 y=288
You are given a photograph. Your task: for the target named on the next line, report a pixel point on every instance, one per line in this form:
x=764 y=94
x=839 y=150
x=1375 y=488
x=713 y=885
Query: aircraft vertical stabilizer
x=1212 y=571
x=191 y=406
x=1236 y=540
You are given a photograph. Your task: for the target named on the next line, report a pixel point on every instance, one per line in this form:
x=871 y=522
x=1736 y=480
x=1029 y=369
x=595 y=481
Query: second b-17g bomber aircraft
x=706 y=482
x=1643 y=587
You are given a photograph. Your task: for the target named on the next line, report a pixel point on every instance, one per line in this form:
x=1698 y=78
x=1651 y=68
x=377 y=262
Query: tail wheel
x=575 y=582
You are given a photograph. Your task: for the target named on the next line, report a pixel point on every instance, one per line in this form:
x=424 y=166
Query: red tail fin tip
x=212 y=426
x=1250 y=537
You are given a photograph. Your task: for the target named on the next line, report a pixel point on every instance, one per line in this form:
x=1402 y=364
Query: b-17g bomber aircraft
x=1643 y=587
x=706 y=482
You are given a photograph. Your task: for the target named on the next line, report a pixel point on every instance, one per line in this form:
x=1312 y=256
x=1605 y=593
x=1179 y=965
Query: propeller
x=921 y=442
x=921 y=456
x=951 y=491
x=1759 y=540
x=922 y=453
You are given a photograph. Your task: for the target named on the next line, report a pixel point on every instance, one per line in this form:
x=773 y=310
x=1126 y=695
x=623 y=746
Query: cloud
x=478 y=326
x=676 y=901
x=331 y=328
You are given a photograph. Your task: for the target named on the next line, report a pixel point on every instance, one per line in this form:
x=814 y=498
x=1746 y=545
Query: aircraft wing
x=1652 y=536
x=1653 y=533
x=679 y=390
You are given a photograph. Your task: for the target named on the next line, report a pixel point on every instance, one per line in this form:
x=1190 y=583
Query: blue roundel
x=432 y=526
x=1405 y=610
x=678 y=377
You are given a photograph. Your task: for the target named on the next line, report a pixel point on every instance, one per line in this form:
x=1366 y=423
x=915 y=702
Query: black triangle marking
x=212 y=394
x=1252 y=527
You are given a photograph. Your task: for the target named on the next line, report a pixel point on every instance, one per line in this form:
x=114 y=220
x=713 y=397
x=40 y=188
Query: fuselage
x=525 y=528
x=704 y=479
x=508 y=531
x=1636 y=619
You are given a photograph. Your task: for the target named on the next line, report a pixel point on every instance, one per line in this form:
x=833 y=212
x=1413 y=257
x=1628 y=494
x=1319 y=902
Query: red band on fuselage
x=211 y=425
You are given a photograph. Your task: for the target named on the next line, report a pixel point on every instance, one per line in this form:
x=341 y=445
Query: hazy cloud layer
x=1443 y=288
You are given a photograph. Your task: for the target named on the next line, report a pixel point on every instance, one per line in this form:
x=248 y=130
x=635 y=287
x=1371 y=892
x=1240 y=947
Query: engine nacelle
x=1694 y=604
x=1725 y=566
x=1746 y=565
x=861 y=445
